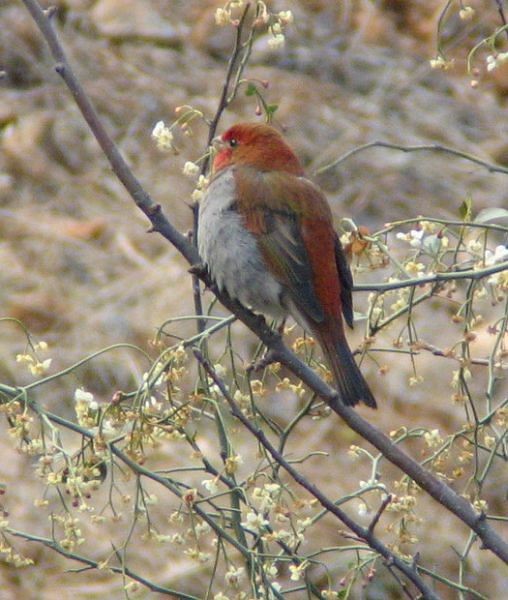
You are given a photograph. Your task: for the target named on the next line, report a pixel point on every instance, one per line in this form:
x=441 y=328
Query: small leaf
x=270 y=110
x=492 y=215
x=251 y=89
x=465 y=210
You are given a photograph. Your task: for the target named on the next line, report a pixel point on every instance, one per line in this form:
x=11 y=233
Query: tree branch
x=121 y=169
x=491 y=167
x=471 y=274
x=212 y=129
x=92 y=564
x=379 y=512
x=224 y=101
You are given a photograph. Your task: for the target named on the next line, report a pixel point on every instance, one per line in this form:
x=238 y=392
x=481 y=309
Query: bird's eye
x=233 y=142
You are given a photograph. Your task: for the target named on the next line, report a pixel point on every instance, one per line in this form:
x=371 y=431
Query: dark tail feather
x=349 y=380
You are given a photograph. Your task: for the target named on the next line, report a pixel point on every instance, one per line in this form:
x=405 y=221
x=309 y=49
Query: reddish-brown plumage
x=265 y=226
x=257 y=146
x=322 y=259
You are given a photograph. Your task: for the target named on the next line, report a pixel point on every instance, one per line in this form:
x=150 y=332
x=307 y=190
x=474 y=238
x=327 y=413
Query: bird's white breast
x=231 y=253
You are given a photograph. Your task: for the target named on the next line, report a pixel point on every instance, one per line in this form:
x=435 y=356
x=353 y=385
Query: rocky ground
x=79 y=270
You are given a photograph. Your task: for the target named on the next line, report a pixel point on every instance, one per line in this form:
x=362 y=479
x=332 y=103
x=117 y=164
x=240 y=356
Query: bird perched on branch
x=266 y=235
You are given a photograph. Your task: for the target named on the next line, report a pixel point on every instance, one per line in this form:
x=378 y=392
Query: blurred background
x=79 y=270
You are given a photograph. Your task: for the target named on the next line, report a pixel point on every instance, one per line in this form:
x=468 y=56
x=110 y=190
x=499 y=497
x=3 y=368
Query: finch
x=266 y=236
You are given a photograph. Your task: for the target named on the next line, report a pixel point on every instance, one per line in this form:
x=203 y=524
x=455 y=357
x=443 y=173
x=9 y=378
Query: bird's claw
x=267 y=359
x=198 y=269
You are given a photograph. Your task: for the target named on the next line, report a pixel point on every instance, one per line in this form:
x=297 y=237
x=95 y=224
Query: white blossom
x=466 y=13
x=499 y=255
x=234 y=575
x=254 y=521
x=277 y=41
x=432 y=438
x=190 y=169
x=285 y=17
x=210 y=485
x=163 y=137
x=495 y=60
x=222 y=17
x=80 y=396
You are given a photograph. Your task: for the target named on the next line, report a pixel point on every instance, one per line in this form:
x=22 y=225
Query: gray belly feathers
x=231 y=252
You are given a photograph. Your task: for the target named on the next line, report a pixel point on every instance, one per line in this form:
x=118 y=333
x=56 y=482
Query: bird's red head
x=257 y=145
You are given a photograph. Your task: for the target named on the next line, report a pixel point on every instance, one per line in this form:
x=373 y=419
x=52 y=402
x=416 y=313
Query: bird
x=266 y=237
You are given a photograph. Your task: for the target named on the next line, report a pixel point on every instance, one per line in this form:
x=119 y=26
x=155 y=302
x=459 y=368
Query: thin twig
x=223 y=101
x=421 y=345
x=92 y=564
x=212 y=129
x=379 y=512
x=491 y=167
x=470 y=274
x=500 y=10
x=457 y=586
x=448 y=222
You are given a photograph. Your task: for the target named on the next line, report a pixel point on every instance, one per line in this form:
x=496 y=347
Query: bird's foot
x=269 y=357
x=198 y=269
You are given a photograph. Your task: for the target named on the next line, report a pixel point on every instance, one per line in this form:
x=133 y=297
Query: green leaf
x=492 y=215
x=270 y=110
x=251 y=89
x=466 y=209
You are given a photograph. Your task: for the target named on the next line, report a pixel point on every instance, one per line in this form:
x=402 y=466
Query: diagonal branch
x=379 y=512
x=120 y=167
